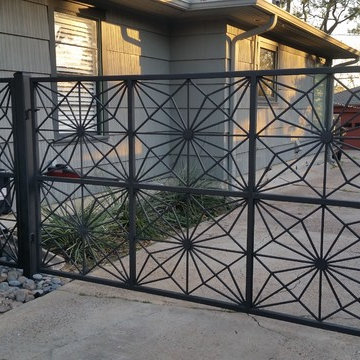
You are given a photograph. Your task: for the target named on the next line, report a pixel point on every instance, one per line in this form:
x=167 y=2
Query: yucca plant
x=83 y=236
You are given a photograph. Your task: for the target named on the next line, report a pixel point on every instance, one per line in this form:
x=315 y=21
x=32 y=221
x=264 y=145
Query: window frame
x=273 y=47
x=86 y=12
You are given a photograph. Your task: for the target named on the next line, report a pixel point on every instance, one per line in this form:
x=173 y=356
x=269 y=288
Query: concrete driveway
x=93 y=322
x=89 y=321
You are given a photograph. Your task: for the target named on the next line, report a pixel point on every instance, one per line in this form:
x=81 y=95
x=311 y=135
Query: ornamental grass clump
x=86 y=235
x=82 y=235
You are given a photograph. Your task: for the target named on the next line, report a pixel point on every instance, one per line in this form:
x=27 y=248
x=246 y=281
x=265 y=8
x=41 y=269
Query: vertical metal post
x=131 y=181
x=251 y=191
x=25 y=174
x=230 y=131
x=329 y=111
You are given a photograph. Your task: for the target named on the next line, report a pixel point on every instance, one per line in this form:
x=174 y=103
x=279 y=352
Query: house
x=157 y=37
x=129 y=37
x=347 y=113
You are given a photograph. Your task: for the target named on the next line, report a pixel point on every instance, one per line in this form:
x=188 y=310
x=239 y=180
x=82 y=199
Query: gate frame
x=27 y=182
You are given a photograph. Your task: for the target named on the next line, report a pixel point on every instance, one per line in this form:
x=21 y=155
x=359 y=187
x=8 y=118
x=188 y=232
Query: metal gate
x=232 y=189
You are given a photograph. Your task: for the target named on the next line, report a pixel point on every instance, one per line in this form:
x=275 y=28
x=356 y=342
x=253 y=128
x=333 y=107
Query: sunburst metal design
x=208 y=193
x=8 y=219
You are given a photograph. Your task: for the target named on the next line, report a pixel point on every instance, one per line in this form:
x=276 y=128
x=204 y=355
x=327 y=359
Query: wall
x=200 y=47
x=281 y=127
x=135 y=45
x=24 y=37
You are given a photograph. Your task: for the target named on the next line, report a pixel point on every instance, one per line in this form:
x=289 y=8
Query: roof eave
x=316 y=41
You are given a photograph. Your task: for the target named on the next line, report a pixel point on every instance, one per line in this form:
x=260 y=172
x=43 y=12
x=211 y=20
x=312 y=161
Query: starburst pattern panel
x=83 y=130
x=307 y=261
x=297 y=144
x=8 y=219
x=84 y=229
x=292 y=135
x=343 y=180
x=197 y=244
x=189 y=132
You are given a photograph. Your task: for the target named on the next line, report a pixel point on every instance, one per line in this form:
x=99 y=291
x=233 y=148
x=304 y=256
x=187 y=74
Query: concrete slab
x=92 y=322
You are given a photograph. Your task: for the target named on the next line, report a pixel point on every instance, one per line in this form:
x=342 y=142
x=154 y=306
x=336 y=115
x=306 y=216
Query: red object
x=350 y=119
x=62 y=171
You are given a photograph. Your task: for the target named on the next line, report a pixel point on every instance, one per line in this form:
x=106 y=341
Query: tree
x=327 y=15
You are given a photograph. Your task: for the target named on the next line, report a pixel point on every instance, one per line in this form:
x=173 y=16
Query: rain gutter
x=245 y=35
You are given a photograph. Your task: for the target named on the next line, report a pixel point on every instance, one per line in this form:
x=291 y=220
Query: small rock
x=38 y=293
x=56 y=280
x=21 y=294
x=40 y=284
x=4 y=307
x=11 y=294
x=29 y=297
x=14 y=283
x=29 y=284
x=22 y=279
x=20 y=272
x=55 y=286
x=12 y=275
x=46 y=289
x=37 y=277
x=4 y=286
x=3 y=277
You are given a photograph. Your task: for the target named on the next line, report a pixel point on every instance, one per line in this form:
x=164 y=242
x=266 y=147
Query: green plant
x=82 y=235
x=86 y=234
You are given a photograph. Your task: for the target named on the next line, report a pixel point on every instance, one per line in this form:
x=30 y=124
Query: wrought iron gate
x=232 y=189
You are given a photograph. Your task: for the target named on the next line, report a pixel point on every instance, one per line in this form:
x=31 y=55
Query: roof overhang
x=248 y=14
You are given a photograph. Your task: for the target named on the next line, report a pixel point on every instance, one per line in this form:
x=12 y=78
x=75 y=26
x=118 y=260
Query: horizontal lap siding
x=134 y=46
x=246 y=59
x=198 y=47
x=24 y=37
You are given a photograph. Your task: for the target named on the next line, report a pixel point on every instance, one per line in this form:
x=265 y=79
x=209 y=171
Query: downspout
x=250 y=33
x=245 y=35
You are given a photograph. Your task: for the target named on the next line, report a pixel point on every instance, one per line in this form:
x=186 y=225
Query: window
x=76 y=49
x=268 y=61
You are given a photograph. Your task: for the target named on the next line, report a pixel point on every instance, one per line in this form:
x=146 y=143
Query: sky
x=353 y=41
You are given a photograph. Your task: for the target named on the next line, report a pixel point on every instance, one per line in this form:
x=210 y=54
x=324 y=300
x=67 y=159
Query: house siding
x=132 y=44
x=24 y=37
x=198 y=47
x=247 y=59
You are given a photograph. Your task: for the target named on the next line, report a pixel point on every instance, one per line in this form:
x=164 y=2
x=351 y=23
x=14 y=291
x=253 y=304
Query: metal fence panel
x=237 y=190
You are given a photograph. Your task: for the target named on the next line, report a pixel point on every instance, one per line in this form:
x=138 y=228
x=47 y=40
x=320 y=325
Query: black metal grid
x=8 y=217
x=218 y=195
